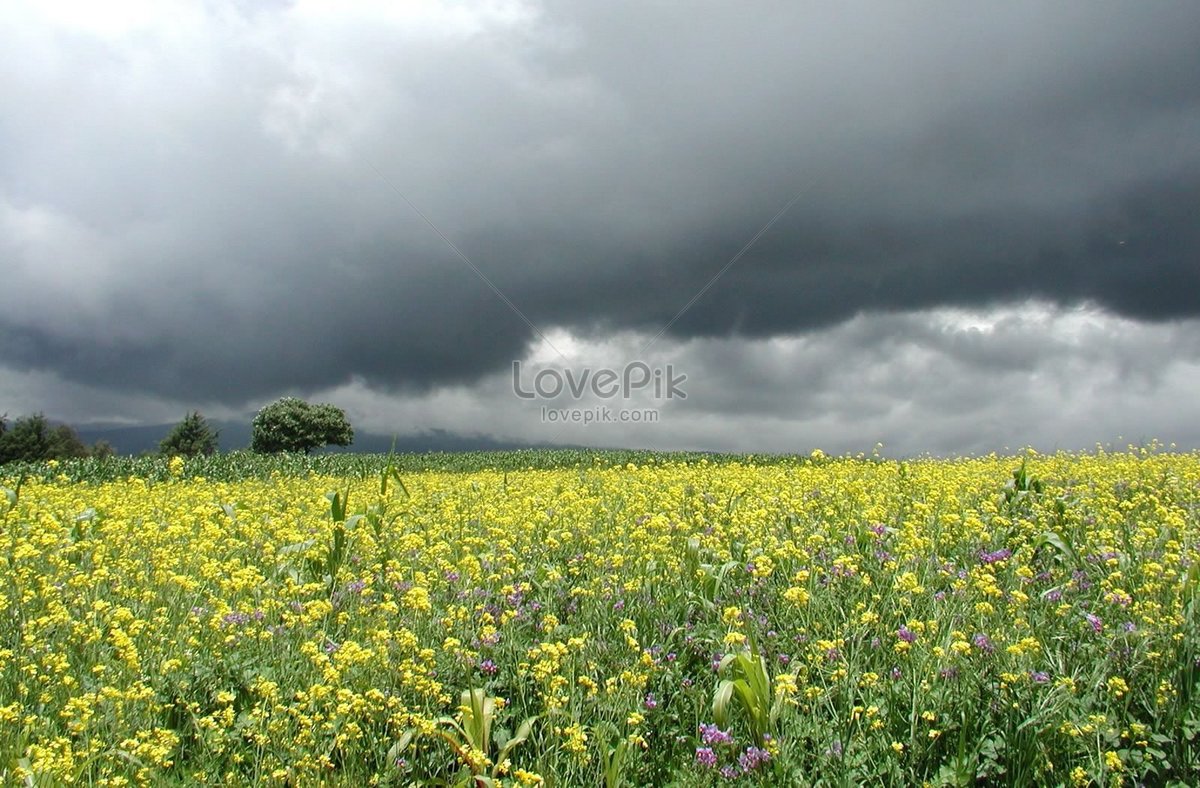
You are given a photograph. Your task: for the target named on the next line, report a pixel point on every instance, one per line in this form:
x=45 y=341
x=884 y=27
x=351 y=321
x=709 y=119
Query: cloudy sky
x=947 y=227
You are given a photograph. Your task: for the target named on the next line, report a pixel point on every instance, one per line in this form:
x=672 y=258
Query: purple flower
x=711 y=734
x=995 y=557
x=729 y=772
x=1097 y=624
x=752 y=758
x=236 y=619
x=1053 y=595
x=983 y=643
x=896 y=673
x=906 y=634
x=1039 y=676
x=706 y=757
x=488 y=667
x=651 y=703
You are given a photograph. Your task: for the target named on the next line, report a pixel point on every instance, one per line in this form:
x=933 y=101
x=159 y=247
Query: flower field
x=603 y=620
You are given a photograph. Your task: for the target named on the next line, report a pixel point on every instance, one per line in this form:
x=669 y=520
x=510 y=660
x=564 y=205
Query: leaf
x=400 y=482
x=721 y=699
x=298 y=547
x=1059 y=543
x=401 y=745
x=520 y=737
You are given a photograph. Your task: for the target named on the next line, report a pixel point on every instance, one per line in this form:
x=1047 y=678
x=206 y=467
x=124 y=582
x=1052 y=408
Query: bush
x=191 y=437
x=291 y=424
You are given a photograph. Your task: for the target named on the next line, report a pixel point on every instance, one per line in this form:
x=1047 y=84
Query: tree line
x=288 y=424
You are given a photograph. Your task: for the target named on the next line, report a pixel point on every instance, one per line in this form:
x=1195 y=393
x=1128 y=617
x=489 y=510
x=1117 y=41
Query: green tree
x=191 y=437
x=33 y=439
x=65 y=444
x=26 y=439
x=291 y=424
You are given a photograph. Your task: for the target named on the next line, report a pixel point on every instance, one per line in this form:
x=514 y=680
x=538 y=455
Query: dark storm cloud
x=213 y=208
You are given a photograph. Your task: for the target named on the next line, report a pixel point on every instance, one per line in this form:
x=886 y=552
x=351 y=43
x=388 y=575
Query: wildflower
x=711 y=734
x=753 y=758
x=706 y=757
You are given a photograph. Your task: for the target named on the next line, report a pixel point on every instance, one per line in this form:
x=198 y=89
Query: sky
x=946 y=227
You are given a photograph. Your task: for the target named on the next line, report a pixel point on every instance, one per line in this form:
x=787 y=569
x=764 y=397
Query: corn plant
x=747 y=684
x=470 y=738
x=379 y=515
x=612 y=757
x=704 y=578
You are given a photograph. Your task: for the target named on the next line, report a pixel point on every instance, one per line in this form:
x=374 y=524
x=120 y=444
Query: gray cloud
x=206 y=204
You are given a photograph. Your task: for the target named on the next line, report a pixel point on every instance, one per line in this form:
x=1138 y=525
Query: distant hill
x=236 y=435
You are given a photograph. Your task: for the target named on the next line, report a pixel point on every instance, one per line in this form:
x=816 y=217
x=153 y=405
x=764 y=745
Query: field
x=585 y=619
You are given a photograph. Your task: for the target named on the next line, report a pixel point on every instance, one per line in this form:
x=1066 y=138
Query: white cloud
x=918 y=382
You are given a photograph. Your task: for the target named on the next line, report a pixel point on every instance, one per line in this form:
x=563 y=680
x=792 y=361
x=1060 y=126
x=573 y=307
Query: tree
x=32 y=439
x=291 y=424
x=191 y=437
x=65 y=444
x=27 y=439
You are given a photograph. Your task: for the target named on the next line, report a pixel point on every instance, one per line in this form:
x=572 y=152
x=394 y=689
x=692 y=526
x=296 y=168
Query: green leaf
x=721 y=703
